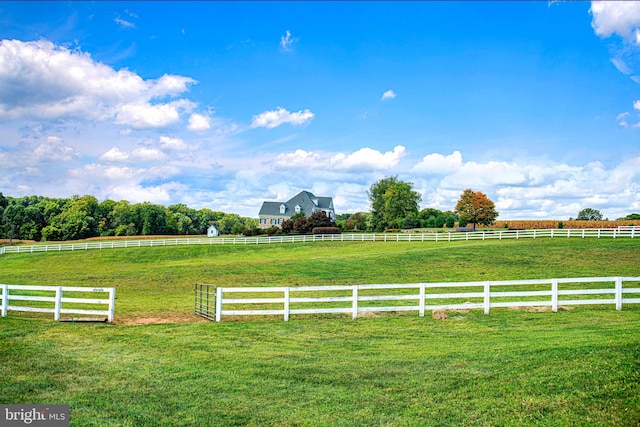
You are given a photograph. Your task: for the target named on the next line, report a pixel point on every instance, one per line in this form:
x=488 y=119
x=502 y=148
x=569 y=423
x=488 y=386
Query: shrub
x=560 y=225
x=451 y=221
x=326 y=230
x=272 y=230
x=247 y=232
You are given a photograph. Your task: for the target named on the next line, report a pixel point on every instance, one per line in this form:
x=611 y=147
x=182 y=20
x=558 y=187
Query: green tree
x=451 y=221
x=154 y=219
x=357 y=221
x=78 y=220
x=589 y=214
x=632 y=217
x=391 y=200
x=227 y=223
x=475 y=207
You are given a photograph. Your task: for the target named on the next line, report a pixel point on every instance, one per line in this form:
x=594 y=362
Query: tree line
x=80 y=217
x=394 y=205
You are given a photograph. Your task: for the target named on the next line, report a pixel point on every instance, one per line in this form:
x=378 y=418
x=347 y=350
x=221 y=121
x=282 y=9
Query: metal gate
x=205 y=301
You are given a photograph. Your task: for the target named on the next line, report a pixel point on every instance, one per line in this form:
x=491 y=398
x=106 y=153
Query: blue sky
x=225 y=104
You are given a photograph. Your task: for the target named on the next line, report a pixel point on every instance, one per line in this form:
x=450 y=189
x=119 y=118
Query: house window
x=273 y=221
x=280 y=221
x=282 y=208
x=263 y=221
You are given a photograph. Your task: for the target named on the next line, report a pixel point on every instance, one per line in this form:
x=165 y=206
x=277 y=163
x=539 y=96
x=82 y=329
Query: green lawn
x=574 y=367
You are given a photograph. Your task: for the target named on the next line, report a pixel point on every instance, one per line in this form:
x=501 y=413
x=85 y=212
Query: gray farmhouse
x=274 y=213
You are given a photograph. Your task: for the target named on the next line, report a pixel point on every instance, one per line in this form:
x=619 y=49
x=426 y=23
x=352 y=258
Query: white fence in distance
x=55 y=300
x=425 y=296
x=448 y=236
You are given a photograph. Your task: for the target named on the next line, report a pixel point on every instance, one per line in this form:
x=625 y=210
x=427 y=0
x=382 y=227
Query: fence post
x=554 y=295
x=354 y=311
x=58 y=303
x=112 y=304
x=218 y=304
x=618 y=293
x=5 y=299
x=487 y=297
x=422 y=300
x=286 y=304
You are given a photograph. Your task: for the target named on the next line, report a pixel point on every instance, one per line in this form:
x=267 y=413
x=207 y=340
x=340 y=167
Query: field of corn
x=528 y=224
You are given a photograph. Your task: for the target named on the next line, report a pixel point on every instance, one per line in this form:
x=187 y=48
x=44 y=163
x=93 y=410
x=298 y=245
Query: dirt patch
x=439 y=314
x=159 y=318
x=538 y=309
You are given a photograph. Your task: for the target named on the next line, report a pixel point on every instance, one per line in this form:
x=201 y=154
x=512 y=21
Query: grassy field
x=574 y=367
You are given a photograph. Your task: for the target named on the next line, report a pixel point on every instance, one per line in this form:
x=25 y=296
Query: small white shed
x=212 y=231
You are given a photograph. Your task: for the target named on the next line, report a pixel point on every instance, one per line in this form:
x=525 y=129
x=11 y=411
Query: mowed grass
x=574 y=367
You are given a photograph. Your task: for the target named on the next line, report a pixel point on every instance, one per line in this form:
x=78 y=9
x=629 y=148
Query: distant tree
x=450 y=221
x=428 y=212
x=301 y=225
x=440 y=220
x=357 y=221
x=411 y=221
x=392 y=200
x=295 y=216
x=78 y=220
x=631 y=217
x=320 y=219
x=431 y=222
x=474 y=207
x=589 y=214
x=287 y=226
x=154 y=219
x=226 y=224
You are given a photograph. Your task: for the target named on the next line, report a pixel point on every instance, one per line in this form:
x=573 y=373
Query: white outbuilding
x=212 y=231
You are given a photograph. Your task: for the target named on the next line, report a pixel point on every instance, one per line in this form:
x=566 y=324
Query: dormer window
x=282 y=208
x=298 y=208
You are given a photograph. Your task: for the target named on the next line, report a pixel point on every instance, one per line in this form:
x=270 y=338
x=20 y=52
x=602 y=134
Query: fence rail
x=355 y=299
x=54 y=299
x=620 y=232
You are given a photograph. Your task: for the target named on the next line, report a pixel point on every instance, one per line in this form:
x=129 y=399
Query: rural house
x=274 y=213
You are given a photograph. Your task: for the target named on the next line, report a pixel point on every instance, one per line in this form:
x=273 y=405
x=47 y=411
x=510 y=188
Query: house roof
x=307 y=201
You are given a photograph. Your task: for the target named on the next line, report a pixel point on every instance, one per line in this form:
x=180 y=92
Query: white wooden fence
x=447 y=236
x=425 y=296
x=51 y=299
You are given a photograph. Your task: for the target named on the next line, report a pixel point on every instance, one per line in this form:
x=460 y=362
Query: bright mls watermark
x=34 y=415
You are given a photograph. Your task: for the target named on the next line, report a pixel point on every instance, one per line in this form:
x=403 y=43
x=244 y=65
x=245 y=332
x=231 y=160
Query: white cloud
x=54 y=150
x=615 y=17
x=40 y=81
x=388 y=95
x=148 y=154
x=115 y=155
x=170 y=143
x=438 y=164
x=123 y=23
x=279 y=116
x=199 y=123
x=286 y=41
x=367 y=158
x=299 y=159
x=145 y=116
